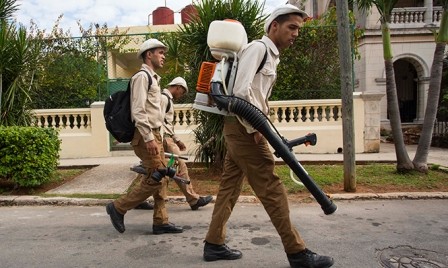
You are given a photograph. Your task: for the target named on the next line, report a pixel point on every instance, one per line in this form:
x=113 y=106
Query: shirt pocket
x=268 y=72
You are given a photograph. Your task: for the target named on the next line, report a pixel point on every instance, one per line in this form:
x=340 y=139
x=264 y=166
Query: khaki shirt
x=255 y=87
x=145 y=104
x=168 y=126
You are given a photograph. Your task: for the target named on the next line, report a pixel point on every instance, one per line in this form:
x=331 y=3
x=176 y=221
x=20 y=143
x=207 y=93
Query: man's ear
x=274 y=25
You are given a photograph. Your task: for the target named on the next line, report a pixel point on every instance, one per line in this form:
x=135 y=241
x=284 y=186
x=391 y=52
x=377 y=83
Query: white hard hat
x=148 y=44
x=179 y=81
x=283 y=10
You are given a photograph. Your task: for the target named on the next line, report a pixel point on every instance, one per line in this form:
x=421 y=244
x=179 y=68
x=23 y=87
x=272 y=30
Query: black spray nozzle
x=170 y=172
x=308 y=139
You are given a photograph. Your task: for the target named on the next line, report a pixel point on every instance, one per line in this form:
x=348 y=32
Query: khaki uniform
x=245 y=158
x=170 y=146
x=148 y=121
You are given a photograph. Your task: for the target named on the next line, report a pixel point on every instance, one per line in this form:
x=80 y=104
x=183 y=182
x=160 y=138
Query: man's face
x=284 y=34
x=157 y=58
x=178 y=92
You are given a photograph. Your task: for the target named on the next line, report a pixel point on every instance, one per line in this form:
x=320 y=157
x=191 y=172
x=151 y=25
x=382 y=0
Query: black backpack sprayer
x=215 y=83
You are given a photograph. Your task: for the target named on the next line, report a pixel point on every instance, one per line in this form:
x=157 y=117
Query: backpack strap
x=168 y=107
x=263 y=61
x=149 y=78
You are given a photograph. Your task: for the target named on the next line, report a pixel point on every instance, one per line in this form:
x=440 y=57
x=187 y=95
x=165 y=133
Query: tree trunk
x=421 y=155
x=403 y=161
x=345 y=58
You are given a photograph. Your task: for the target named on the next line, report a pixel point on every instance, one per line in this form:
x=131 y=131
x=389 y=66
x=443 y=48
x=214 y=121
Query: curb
x=29 y=200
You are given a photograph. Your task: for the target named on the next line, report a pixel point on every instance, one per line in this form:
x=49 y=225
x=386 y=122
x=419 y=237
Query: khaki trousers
x=187 y=189
x=255 y=161
x=145 y=185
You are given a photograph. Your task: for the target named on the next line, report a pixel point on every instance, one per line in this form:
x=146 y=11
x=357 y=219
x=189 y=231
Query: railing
x=440 y=128
x=305 y=111
x=66 y=120
x=410 y=17
x=282 y=112
x=83 y=132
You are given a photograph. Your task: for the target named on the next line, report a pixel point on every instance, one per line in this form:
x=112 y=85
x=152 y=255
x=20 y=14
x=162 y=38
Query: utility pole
x=345 y=59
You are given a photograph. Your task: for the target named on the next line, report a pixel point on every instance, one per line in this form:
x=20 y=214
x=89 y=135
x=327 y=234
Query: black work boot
x=213 y=252
x=309 y=259
x=145 y=205
x=202 y=201
x=116 y=218
x=166 y=228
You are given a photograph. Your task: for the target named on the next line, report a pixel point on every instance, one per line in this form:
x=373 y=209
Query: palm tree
x=18 y=63
x=7 y=8
x=194 y=39
x=421 y=155
x=385 y=7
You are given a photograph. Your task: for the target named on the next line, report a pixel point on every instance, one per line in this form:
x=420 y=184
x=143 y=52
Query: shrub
x=28 y=155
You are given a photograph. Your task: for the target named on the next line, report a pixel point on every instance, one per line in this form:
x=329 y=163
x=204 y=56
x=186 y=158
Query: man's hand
x=152 y=147
x=257 y=137
x=181 y=145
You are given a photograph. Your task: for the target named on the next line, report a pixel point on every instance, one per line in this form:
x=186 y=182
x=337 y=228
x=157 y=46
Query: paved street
x=359 y=234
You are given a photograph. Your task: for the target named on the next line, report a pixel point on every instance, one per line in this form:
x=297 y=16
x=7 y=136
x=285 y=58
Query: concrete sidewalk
x=112 y=175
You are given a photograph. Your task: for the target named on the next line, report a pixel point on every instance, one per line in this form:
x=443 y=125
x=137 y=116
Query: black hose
x=261 y=123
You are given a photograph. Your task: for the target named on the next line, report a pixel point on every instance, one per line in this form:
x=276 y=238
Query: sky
x=113 y=12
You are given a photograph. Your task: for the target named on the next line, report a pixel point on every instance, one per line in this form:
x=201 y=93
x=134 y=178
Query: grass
x=371 y=177
x=376 y=178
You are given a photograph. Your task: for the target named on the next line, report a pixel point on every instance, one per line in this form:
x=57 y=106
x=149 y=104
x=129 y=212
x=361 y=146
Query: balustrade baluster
x=175 y=117
x=331 y=114
x=307 y=115
x=274 y=115
x=45 y=117
x=64 y=121
x=181 y=117
x=87 y=121
x=188 y=117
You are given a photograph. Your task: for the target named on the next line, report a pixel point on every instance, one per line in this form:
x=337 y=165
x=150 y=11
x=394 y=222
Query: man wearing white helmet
x=248 y=153
x=147 y=141
x=172 y=144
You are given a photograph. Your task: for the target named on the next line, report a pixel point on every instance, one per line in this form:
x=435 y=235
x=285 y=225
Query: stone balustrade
x=83 y=132
x=415 y=17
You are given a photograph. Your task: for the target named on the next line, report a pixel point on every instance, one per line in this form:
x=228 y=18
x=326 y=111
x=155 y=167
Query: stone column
x=372 y=114
x=422 y=97
x=428 y=12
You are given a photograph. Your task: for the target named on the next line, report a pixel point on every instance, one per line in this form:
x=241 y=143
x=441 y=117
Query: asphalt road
x=359 y=234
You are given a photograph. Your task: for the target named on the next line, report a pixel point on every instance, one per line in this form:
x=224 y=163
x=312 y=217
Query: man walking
x=147 y=142
x=172 y=144
x=248 y=154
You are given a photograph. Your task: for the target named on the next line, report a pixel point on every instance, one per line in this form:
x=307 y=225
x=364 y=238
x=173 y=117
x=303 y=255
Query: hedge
x=28 y=155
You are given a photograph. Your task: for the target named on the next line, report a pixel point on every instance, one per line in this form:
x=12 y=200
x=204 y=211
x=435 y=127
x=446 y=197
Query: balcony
x=415 y=17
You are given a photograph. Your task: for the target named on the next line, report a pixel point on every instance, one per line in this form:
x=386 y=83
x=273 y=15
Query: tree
x=385 y=7
x=345 y=59
x=72 y=72
x=19 y=52
x=310 y=68
x=7 y=9
x=193 y=35
x=421 y=155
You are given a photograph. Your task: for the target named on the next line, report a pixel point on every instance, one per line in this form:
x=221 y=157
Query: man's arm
x=139 y=88
x=249 y=60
